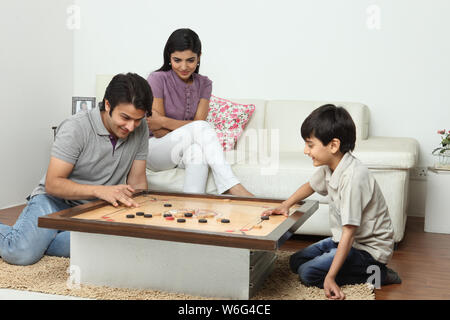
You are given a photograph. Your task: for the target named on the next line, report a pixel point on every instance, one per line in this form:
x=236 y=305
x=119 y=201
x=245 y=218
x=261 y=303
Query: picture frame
x=82 y=104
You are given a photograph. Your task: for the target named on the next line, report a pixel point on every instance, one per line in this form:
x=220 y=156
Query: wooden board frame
x=66 y=220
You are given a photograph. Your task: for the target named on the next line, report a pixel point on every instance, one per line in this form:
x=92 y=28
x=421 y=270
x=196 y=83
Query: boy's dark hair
x=128 y=88
x=181 y=40
x=328 y=122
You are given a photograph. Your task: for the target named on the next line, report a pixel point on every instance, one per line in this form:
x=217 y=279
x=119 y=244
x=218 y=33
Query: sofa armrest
x=388 y=152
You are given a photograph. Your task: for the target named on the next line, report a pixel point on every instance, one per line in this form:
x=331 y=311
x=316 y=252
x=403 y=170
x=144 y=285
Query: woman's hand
x=155 y=122
x=160 y=133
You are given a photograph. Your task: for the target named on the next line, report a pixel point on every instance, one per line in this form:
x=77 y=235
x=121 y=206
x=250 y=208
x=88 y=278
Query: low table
x=227 y=255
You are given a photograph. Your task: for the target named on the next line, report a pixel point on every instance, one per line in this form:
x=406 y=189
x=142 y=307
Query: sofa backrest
x=287 y=116
x=249 y=138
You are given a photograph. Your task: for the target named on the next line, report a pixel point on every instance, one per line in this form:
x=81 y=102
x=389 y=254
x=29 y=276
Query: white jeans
x=195 y=148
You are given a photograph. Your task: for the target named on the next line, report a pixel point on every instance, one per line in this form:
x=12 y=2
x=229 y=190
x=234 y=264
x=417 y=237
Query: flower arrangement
x=443 y=151
x=445 y=143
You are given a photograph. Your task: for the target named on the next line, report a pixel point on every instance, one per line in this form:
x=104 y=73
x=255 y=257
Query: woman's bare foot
x=239 y=190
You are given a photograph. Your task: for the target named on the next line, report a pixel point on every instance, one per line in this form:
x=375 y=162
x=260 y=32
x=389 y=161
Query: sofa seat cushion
x=388 y=152
x=278 y=176
x=281 y=178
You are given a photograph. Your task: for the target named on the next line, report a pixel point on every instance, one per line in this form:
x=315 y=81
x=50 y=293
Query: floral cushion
x=228 y=119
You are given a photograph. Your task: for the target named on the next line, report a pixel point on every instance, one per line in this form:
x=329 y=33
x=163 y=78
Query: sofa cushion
x=283 y=176
x=278 y=176
x=228 y=119
x=388 y=152
x=288 y=116
x=249 y=141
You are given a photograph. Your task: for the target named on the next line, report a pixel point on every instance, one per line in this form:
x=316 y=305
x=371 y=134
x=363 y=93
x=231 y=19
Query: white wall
x=291 y=49
x=287 y=49
x=36 y=81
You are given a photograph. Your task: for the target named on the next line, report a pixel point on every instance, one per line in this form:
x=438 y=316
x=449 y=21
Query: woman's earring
x=170 y=63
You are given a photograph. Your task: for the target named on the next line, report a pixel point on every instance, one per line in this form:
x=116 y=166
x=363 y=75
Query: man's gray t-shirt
x=83 y=141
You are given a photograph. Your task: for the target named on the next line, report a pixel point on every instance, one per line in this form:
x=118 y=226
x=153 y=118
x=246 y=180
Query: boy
x=99 y=154
x=359 y=219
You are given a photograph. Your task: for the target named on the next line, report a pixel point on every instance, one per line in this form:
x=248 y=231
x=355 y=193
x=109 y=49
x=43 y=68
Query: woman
x=180 y=136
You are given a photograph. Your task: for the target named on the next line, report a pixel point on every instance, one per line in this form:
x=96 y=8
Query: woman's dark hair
x=328 y=122
x=181 y=40
x=128 y=88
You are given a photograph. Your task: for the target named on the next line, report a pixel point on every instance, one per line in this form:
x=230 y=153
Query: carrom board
x=202 y=219
x=163 y=254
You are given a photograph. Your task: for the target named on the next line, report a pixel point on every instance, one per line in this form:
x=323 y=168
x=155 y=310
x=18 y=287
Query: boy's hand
x=279 y=210
x=332 y=290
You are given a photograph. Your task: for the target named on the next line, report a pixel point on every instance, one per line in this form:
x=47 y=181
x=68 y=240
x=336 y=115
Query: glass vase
x=442 y=160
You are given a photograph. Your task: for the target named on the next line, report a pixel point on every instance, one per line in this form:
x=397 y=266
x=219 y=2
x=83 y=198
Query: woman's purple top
x=180 y=99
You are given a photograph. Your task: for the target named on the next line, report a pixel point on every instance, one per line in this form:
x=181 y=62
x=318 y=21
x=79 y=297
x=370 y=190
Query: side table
x=437 y=208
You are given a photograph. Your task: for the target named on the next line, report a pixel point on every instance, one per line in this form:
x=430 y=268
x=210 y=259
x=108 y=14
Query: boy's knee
x=296 y=260
x=309 y=277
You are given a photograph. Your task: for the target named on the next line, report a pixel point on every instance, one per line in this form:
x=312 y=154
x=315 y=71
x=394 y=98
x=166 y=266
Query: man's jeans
x=313 y=263
x=25 y=243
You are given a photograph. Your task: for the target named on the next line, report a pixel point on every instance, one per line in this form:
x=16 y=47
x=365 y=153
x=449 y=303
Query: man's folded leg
x=25 y=243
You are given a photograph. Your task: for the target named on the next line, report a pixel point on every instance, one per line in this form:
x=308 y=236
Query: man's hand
x=117 y=194
x=332 y=290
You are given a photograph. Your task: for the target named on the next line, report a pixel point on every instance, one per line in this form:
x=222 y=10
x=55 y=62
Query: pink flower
x=441 y=131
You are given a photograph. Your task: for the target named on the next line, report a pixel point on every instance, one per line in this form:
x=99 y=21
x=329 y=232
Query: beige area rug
x=50 y=275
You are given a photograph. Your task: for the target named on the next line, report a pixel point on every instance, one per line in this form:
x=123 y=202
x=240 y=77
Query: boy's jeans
x=313 y=263
x=25 y=243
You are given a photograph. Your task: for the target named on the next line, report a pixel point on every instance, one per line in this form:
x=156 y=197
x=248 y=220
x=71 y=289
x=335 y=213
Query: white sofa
x=269 y=160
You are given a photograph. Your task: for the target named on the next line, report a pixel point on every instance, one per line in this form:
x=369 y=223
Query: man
x=100 y=154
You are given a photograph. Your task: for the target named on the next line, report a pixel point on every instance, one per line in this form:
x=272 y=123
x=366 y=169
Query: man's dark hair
x=128 y=88
x=328 y=122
